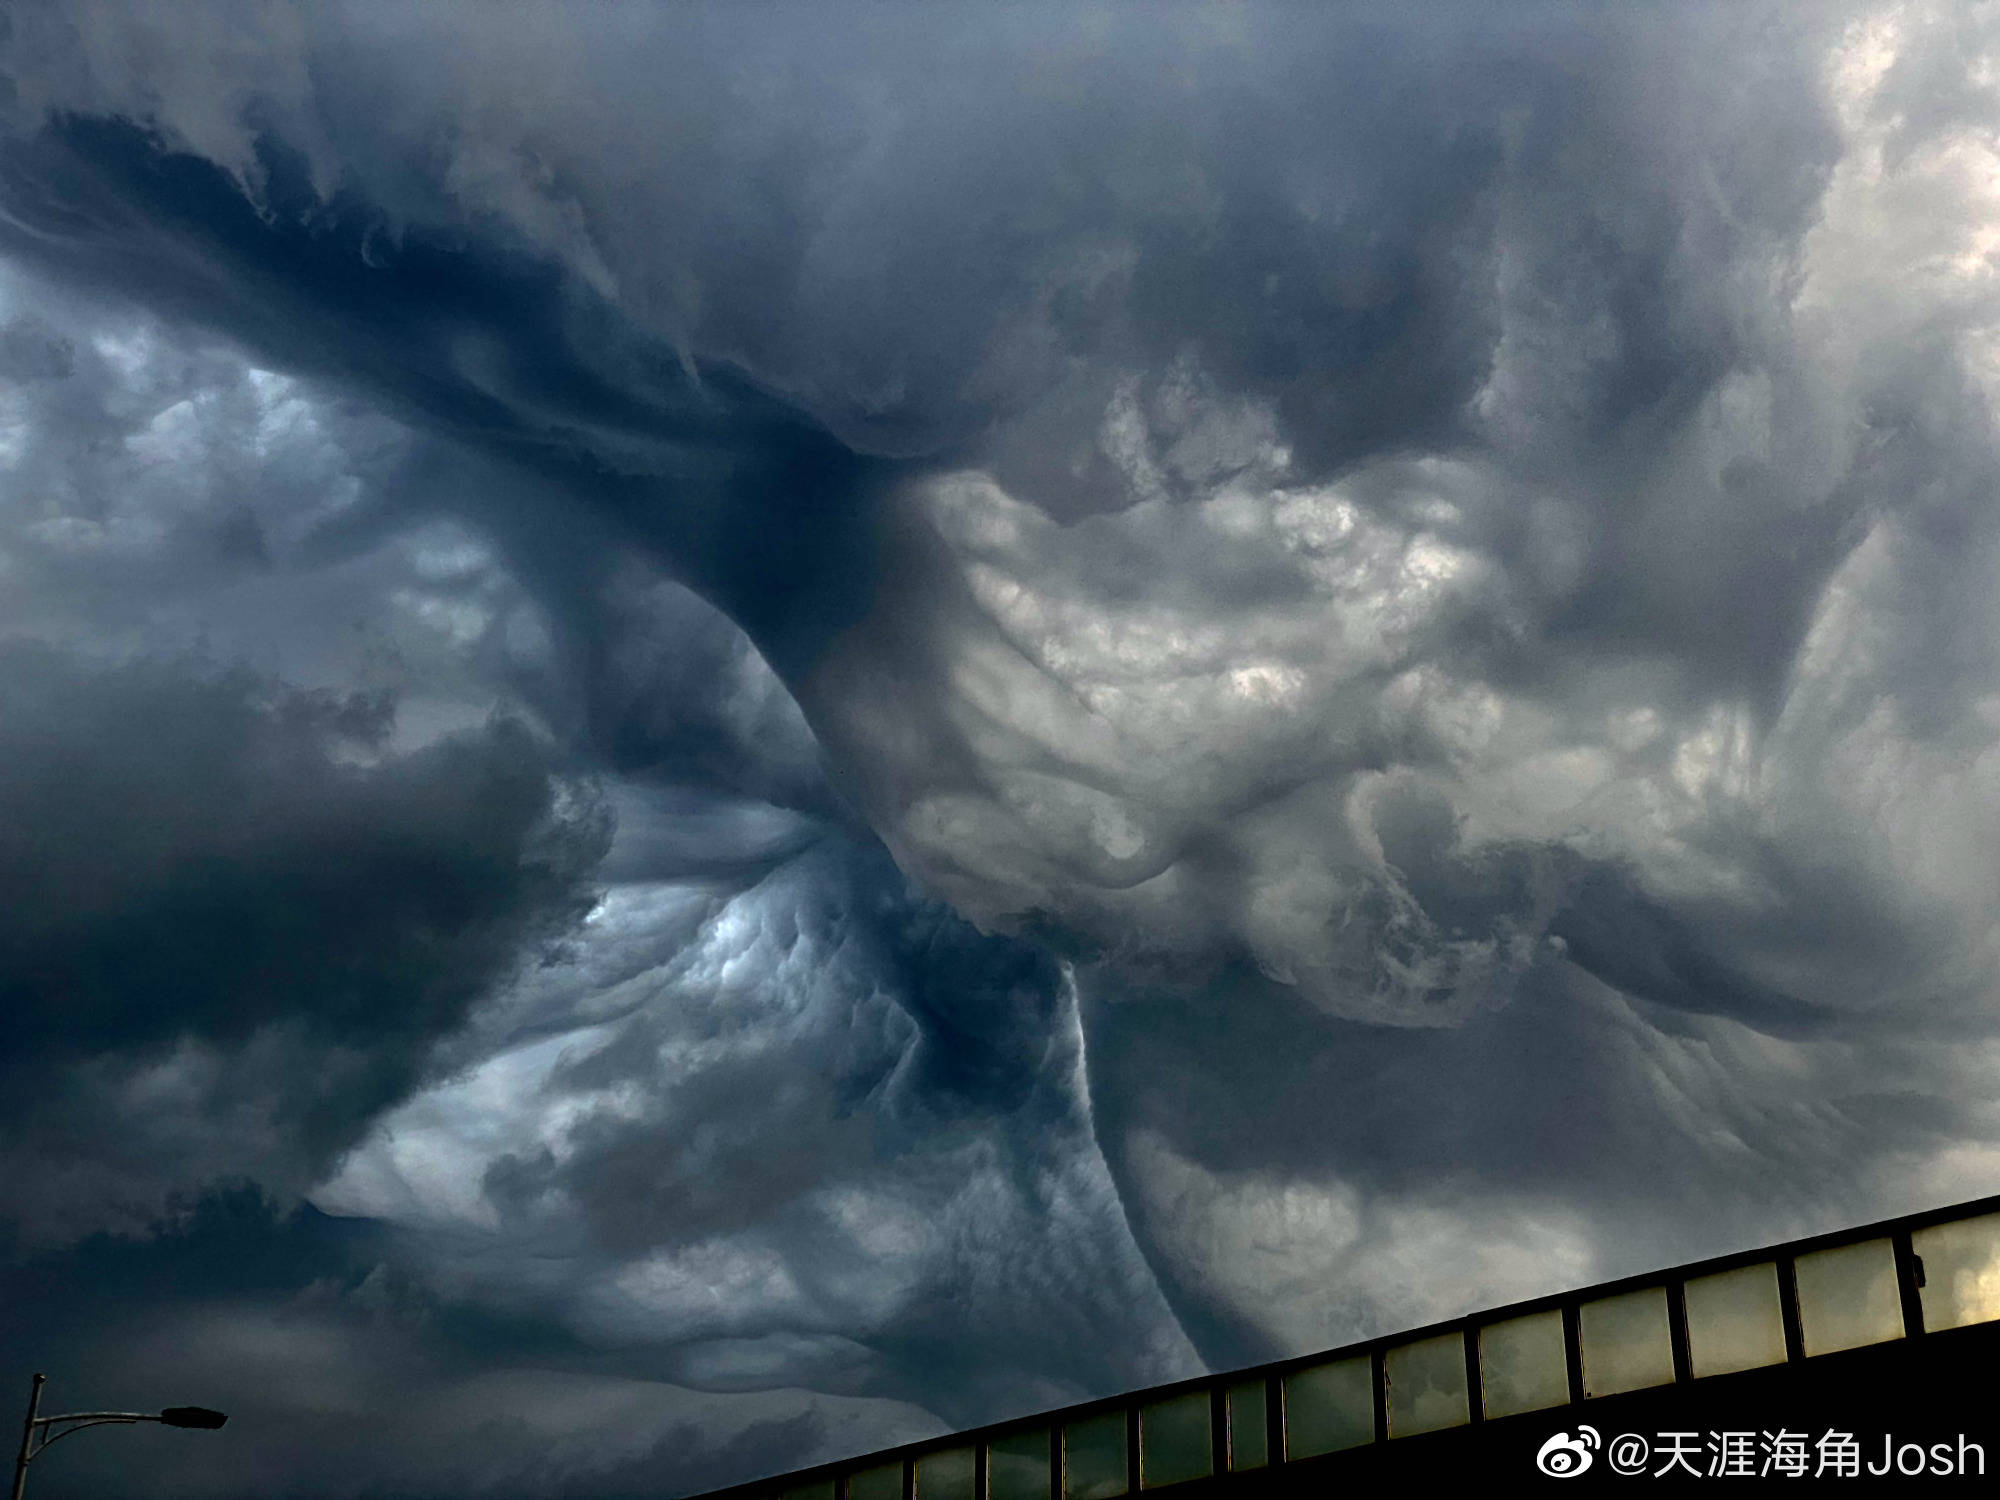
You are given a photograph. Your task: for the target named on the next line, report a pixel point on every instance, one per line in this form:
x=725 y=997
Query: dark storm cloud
x=679 y=697
x=956 y=1029
x=233 y=926
x=833 y=1134
x=479 y=341
x=1441 y=557
x=164 y=488
x=636 y=678
x=292 y=1321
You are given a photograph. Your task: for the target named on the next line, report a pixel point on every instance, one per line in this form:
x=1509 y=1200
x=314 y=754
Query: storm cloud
x=850 y=718
x=226 y=950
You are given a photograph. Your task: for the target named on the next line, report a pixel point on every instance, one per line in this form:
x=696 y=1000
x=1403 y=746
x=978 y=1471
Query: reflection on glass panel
x=883 y=1482
x=1626 y=1345
x=1329 y=1407
x=1522 y=1366
x=1734 y=1322
x=818 y=1489
x=1176 y=1440
x=1848 y=1297
x=1426 y=1385
x=1961 y=1271
x=1249 y=1433
x=1094 y=1457
x=945 y=1475
x=1017 y=1466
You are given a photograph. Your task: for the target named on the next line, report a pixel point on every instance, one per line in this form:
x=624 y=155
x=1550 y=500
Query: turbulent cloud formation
x=341 y=1377
x=819 y=1119
x=1262 y=673
x=209 y=915
x=718 y=1181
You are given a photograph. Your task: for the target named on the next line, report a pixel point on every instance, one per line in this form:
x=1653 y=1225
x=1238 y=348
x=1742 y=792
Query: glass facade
x=1425 y=1385
x=1176 y=1440
x=1329 y=1407
x=880 y=1482
x=1961 y=1266
x=1627 y=1342
x=1734 y=1321
x=1249 y=1426
x=1849 y=1294
x=1523 y=1365
x=1094 y=1457
x=947 y=1474
x=1017 y=1466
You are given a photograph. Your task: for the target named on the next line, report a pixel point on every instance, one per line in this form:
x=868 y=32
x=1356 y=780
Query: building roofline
x=1897 y=1228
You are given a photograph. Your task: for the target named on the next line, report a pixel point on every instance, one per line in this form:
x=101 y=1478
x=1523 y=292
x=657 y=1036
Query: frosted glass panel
x=1329 y=1407
x=1522 y=1366
x=1176 y=1441
x=1626 y=1345
x=1734 y=1322
x=1017 y=1466
x=1094 y=1457
x=1961 y=1271
x=945 y=1475
x=1848 y=1297
x=1249 y=1434
x=883 y=1482
x=1425 y=1382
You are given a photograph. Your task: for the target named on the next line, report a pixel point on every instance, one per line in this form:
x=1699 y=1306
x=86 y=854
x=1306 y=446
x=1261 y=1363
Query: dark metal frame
x=1784 y=1255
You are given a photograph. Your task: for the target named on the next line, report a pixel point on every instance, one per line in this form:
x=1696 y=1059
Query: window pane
x=1848 y=1297
x=1961 y=1271
x=883 y=1482
x=1734 y=1322
x=818 y=1489
x=1626 y=1345
x=1328 y=1407
x=1426 y=1384
x=1249 y=1431
x=1017 y=1466
x=1176 y=1441
x=945 y=1475
x=1094 y=1457
x=1522 y=1366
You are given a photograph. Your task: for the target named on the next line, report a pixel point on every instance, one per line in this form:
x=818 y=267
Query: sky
x=730 y=733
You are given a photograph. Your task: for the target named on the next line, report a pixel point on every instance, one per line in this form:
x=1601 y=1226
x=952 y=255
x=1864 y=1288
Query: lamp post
x=38 y=1431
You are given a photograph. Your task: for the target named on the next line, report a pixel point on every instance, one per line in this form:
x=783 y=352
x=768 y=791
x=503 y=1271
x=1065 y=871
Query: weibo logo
x=1565 y=1457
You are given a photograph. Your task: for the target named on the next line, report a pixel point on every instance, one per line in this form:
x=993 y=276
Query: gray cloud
x=1439 y=562
x=227 y=949
x=825 y=1132
x=342 y=1377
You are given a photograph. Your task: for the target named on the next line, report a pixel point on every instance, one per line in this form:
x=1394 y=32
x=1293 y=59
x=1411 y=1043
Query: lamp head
x=192 y=1416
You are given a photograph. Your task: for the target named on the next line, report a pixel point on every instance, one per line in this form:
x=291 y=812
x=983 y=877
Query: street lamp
x=38 y=1432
